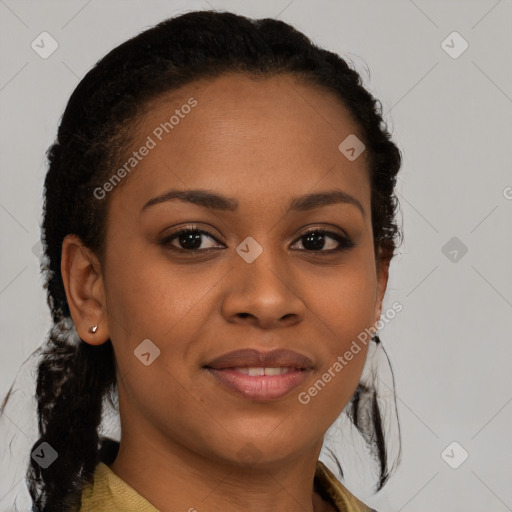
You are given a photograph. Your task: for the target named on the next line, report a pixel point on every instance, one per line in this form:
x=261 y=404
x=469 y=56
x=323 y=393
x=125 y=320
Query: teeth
x=276 y=371
x=255 y=371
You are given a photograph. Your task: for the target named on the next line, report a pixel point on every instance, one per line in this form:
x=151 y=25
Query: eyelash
x=345 y=243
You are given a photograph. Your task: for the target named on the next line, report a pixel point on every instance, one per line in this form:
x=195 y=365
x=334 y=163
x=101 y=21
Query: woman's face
x=255 y=281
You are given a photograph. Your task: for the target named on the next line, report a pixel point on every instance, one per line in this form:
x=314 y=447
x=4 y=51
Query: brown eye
x=188 y=239
x=316 y=240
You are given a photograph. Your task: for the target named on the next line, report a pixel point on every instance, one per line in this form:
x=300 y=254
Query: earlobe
x=83 y=283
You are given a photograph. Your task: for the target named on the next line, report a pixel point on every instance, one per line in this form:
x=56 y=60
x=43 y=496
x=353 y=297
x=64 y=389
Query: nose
x=262 y=293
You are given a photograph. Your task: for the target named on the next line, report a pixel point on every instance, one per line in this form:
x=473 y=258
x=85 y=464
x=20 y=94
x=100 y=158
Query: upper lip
x=278 y=358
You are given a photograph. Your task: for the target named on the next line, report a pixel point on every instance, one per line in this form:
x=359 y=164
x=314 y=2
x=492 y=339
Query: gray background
x=450 y=347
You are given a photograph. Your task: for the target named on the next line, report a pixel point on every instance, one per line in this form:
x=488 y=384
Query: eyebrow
x=215 y=201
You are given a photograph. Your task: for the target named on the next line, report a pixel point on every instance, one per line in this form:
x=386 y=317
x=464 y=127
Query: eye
x=188 y=239
x=191 y=238
x=315 y=240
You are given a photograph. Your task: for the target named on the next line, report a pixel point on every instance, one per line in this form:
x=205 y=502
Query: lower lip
x=260 y=387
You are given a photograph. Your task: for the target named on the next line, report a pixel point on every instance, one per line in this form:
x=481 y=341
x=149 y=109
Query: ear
x=384 y=256
x=83 y=282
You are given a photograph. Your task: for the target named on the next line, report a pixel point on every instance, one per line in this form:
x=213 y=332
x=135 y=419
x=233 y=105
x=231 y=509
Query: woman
x=219 y=221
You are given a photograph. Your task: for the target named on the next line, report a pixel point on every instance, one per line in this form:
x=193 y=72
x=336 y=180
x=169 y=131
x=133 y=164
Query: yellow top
x=109 y=493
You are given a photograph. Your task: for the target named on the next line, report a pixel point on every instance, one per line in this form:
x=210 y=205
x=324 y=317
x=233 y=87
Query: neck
x=175 y=478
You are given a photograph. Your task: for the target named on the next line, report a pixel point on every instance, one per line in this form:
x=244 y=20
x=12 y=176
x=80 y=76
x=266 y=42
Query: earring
x=93 y=329
x=376 y=339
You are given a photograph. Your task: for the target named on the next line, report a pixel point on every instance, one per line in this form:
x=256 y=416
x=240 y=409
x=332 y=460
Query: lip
x=260 y=387
x=251 y=357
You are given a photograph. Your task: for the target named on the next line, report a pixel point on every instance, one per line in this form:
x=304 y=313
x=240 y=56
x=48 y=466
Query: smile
x=260 y=384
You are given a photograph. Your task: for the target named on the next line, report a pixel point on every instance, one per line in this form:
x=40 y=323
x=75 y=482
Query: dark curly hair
x=96 y=128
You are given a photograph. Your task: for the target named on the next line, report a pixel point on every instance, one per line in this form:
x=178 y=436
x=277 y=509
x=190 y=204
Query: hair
x=73 y=379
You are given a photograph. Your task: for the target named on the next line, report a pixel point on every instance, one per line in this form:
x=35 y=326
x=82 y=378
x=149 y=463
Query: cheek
x=342 y=307
x=150 y=295
x=343 y=312
x=343 y=302
x=149 y=298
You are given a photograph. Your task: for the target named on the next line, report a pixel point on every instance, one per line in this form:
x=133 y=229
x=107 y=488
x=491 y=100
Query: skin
x=261 y=142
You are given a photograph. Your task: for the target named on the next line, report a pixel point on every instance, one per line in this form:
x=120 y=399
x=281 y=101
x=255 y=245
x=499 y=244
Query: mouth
x=260 y=376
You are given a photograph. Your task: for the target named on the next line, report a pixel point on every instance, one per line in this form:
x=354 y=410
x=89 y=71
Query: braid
x=71 y=382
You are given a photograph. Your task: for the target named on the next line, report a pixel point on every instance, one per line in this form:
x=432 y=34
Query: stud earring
x=93 y=329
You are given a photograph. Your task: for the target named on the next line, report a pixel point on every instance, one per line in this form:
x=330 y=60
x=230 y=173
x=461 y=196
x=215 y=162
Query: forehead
x=262 y=138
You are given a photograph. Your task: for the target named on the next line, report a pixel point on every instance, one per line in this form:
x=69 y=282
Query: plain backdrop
x=449 y=109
